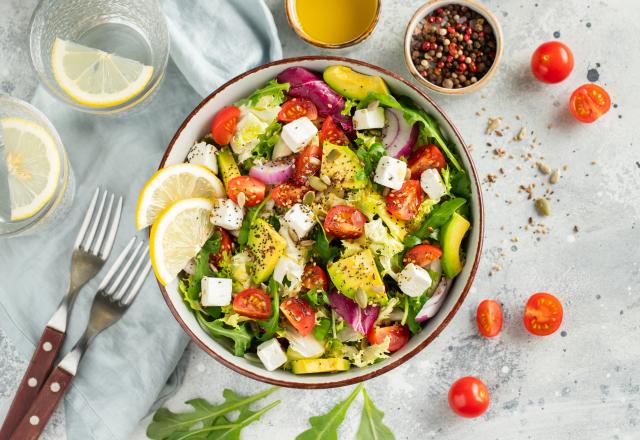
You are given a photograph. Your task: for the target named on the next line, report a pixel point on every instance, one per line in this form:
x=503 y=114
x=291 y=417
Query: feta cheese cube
x=287 y=267
x=297 y=134
x=226 y=214
x=204 y=154
x=365 y=118
x=271 y=354
x=215 y=291
x=300 y=220
x=413 y=280
x=390 y=172
x=432 y=184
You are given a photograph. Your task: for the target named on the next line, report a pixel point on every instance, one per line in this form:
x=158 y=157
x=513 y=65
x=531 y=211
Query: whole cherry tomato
x=469 y=397
x=552 y=62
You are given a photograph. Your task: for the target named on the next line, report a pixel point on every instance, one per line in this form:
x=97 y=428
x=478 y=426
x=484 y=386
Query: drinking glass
x=14 y=111
x=134 y=29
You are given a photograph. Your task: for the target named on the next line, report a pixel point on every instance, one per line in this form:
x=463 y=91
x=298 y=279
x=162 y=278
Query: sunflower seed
x=326 y=179
x=314 y=160
x=242 y=199
x=378 y=288
x=555 y=177
x=543 y=167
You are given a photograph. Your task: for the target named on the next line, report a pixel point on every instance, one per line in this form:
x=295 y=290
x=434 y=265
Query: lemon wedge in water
x=96 y=78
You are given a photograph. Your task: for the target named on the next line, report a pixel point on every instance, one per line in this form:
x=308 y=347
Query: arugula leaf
x=461 y=185
x=266 y=141
x=322 y=328
x=371 y=426
x=273 y=88
x=317 y=297
x=412 y=114
x=250 y=217
x=240 y=335
x=325 y=427
x=370 y=150
x=190 y=287
x=271 y=325
x=178 y=426
x=439 y=216
x=323 y=247
x=348 y=105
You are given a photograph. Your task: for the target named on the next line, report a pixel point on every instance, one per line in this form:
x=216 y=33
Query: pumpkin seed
x=542 y=206
x=309 y=197
x=361 y=297
x=333 y=155
x=317 y=184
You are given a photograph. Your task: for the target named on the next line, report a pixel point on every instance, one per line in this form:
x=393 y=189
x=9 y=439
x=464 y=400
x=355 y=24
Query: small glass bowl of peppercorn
x=454 y=46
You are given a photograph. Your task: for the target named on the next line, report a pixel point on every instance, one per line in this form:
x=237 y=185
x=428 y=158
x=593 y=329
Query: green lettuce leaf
x=273 y=88
x=371 y=426
x=266 y=142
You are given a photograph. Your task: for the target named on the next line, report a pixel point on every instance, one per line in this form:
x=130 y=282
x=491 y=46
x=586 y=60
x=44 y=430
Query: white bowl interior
x=199 y=125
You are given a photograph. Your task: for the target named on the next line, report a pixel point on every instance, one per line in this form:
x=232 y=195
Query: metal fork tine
x=86 y=244
x=116 y=264
x=111 y=236
x=87 y=219
x=113 y=287
x=133 y=292
x=127 y=283
x=104 y=222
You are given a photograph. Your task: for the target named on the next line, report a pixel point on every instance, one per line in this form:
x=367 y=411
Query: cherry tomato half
x=296 y=108
x=300 y=315
x=588 y=102
x=422 y=255
x=344 y=221
x=225 y=247
x=314 y=277
x=307 y=163
x=399 y=335
x=253 y=189
x=552 y=62
x=469 y=397
x=403 y=203
x=252 y=303
x=489 y=318
x=424 y=158
x=224 y=124
x=288 y=194
x=330 y=132
x=543 y=314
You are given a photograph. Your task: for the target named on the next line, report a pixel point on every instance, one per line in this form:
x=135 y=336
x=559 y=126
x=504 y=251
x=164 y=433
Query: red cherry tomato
x=288 y=194
x=330 y=132
x=296 y=108
x=224 y=124
x=252 y=303
x=588 y=102
x=314 y=277
x=543 y=314
x=253 y=190
x=403 y=203
x=489 y=318
x=422 y=255
x=225 y=247
x=307 y=163
x=300 y=315
x=399 y=335
x=344 y=221
x=552 y=62
x=424 y=158
x=469 y=397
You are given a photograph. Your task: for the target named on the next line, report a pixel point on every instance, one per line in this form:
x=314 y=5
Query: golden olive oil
x=335 y=21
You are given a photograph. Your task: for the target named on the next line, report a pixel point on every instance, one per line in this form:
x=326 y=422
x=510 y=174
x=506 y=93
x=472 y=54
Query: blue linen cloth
x=127 y=367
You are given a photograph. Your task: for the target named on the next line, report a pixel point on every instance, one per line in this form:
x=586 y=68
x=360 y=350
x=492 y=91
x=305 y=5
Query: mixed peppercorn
x=453 y=47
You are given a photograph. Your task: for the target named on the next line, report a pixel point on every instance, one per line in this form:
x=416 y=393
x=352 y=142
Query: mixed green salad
x=342 y=226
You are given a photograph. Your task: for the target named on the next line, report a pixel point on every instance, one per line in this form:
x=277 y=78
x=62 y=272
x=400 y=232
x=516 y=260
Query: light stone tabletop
x=582 y=382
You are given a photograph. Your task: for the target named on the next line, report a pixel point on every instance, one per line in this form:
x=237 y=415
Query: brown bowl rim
x=400 y=360
x=309 y=39
x=482 y=10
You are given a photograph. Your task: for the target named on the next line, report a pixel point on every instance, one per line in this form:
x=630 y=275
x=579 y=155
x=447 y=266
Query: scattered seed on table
x=555 y=177
x=542 y=206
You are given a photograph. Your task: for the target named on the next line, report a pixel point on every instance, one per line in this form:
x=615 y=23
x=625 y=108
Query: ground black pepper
x=453 y=47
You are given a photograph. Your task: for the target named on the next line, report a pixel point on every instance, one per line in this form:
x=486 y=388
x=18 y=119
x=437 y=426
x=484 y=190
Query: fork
x=91 y=250
x=116 y=292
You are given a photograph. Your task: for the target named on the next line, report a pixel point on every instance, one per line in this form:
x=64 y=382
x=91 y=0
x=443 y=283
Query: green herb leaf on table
x=212 y=420
x=273 y=88
x=240 y=335
x=371 y=426
x=271 y=326
x=325 y=427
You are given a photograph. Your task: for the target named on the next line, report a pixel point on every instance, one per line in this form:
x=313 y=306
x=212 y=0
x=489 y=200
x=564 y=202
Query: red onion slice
x=398 y=136
x=273 y=172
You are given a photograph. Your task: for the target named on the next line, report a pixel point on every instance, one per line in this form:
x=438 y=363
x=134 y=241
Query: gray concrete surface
x=583 y=381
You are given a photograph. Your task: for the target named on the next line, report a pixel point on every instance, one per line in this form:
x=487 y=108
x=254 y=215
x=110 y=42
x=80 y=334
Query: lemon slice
x=178 y=235
x=173 y=183
x=96 y=78
x=33 y=166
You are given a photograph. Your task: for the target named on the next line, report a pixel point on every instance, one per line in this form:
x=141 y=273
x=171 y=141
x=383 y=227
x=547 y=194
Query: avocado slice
x=293 y=355
x=359 y=271
x=307 y=366
x=451 y=237
x=341 y=164
x=227 y=165
x=266 y=247
x=353 y=85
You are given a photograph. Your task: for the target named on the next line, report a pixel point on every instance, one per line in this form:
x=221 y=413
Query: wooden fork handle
x=39 y=368
x=37 y=416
